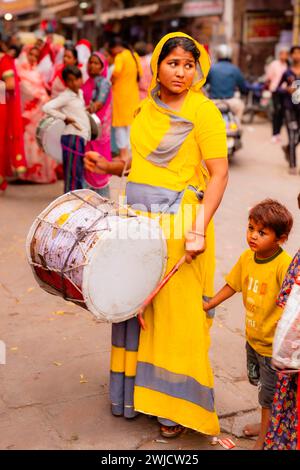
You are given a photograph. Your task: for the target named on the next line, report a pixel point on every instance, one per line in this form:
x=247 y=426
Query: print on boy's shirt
x=255 y=286
x=253 y=305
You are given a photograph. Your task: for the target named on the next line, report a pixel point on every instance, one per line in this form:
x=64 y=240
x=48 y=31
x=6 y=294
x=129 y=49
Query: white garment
x=71 y=105
x=274 y=73
x=45 y=67
x=122 y=135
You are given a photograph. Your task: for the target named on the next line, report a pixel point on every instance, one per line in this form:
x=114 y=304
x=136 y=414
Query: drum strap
x=65 y=147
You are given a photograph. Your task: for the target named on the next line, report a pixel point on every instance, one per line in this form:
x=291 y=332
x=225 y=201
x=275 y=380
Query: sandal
x=171 y=431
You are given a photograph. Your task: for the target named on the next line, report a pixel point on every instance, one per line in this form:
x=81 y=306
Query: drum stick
x=162 y=283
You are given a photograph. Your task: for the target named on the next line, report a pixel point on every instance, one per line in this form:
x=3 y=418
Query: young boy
x=69 y=106
x=258 y=274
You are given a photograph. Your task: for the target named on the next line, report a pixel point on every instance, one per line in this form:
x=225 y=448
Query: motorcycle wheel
x=248 y=116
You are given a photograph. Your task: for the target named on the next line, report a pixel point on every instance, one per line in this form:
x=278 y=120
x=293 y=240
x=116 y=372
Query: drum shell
x=60 y=242
x=48 y=136
x=95 y=125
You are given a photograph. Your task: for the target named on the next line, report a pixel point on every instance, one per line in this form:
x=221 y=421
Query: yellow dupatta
x=163 y=139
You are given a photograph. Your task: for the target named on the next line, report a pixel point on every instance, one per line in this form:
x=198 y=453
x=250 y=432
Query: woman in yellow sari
x=178 y=152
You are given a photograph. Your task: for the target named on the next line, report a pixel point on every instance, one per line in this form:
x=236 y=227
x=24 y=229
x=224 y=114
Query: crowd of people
x=178 y=151
x=67 y=82
x=33 y=77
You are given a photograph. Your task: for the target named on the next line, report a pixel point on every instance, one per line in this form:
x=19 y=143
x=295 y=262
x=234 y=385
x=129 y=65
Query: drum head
x=125 y=266
x=50 y=138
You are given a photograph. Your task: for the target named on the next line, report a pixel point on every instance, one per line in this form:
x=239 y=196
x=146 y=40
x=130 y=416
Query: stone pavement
x=54 y=386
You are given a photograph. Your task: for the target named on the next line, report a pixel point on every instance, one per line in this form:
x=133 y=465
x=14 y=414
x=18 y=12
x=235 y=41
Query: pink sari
x=101 y=145
x=41 y=168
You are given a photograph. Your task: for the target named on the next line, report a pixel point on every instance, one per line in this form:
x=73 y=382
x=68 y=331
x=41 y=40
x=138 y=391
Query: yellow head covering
x=202 y=67
x=163 y=129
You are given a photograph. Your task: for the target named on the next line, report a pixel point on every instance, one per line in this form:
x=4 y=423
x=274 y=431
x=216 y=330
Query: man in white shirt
x=69 y=107
x=274 y=73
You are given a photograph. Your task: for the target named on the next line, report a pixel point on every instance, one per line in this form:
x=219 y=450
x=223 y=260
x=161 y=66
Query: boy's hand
x=73 y=122
x=206 y=306
x=94 y=162
x=69 y=120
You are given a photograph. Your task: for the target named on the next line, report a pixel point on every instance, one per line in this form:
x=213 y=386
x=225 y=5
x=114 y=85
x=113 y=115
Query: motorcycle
x=233 y=127
x=258 y=101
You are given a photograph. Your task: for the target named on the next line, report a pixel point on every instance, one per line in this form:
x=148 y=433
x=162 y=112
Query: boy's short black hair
x=271 y=214
x=294 y=48
x=71 y=70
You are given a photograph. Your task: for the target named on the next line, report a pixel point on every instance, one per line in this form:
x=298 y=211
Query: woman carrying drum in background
x=57 y=84
x=98 y=99
x=41 y=168
x=164 y=370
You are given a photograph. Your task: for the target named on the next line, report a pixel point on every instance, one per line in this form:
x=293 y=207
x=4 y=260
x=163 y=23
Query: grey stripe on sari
x=124 y=335
x=175 y=385
x=155 y=199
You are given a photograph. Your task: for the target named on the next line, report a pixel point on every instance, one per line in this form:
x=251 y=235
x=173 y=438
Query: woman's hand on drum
x=94 y=106
x=94 y=162
x=194 y=245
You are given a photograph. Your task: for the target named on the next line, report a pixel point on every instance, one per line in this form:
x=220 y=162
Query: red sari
x=12 y=155
x=41 y=168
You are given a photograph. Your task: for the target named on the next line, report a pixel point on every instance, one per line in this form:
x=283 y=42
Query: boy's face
x=74 y=83
x=262 y=240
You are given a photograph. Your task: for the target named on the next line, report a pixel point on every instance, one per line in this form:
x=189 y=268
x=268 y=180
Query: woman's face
x=69 y=58
x=108 y=57
x=177 y=71
x=33 y=56
x=283 y=56
x=95 y=66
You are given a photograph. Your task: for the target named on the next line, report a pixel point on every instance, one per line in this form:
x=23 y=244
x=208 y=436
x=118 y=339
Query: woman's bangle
x=197 y=233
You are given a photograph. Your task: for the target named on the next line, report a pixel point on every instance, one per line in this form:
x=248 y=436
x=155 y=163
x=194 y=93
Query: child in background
x=259 y=274
x=70 y=107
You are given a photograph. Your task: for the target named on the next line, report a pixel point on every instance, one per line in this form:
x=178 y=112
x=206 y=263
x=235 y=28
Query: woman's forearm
x=116 y=167
x=212 y=198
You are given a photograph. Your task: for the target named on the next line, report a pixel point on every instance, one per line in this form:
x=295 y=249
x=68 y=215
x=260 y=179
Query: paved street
x=54 y=386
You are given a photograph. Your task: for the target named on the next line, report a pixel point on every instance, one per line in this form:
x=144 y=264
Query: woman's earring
x=158 y=80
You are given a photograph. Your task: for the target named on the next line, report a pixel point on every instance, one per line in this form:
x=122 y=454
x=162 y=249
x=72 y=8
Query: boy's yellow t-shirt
x=260 y=280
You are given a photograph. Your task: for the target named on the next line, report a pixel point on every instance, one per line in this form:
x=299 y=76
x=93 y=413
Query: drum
x=96 y=253
x=48 y=135
x=95 y=124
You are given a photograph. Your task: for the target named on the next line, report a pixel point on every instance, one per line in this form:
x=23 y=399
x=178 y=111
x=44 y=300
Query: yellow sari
x=164 y=370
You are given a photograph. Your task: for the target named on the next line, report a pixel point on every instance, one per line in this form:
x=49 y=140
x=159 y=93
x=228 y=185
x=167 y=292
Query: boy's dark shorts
x=261 y=373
